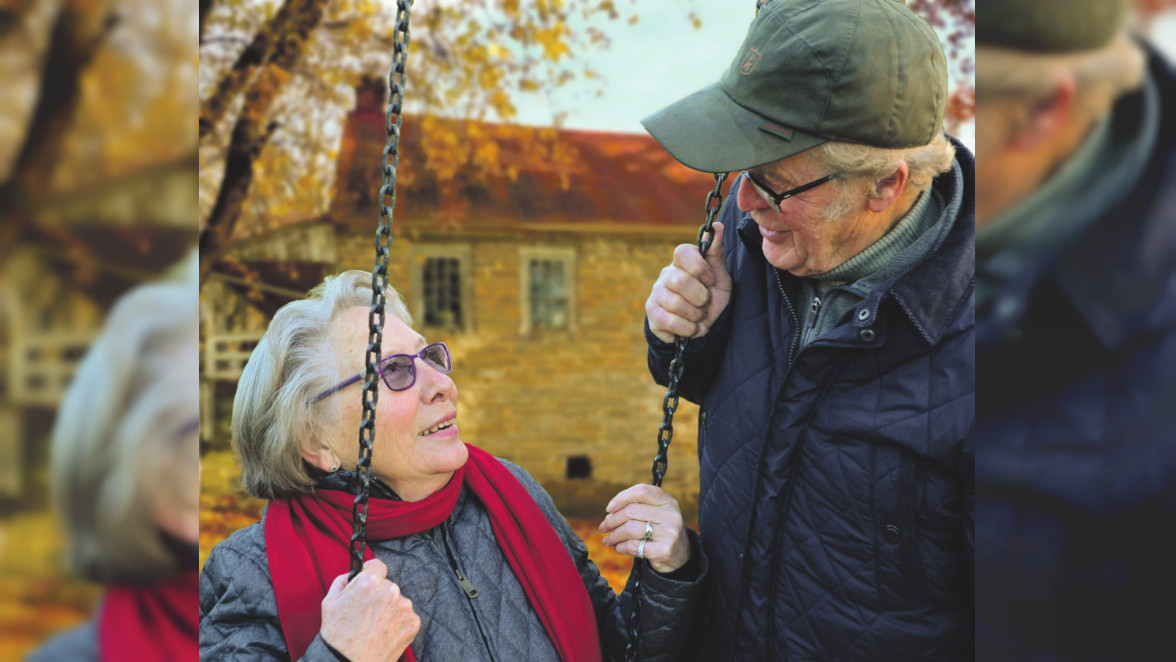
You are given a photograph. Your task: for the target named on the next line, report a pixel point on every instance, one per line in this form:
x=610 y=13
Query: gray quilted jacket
x=239 y=616
x=77 y=644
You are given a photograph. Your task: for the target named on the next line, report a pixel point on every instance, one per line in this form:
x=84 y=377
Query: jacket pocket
x=901 y=572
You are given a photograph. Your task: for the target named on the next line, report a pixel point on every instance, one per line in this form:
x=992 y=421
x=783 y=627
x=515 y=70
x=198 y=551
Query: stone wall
x=539 y=397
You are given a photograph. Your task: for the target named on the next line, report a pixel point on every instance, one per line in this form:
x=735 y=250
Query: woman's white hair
x=120 y=438
x=863 y=167
x=275 y=415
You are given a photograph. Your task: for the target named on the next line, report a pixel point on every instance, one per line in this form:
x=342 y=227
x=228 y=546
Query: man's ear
x=887 y=191
x=1046 y=119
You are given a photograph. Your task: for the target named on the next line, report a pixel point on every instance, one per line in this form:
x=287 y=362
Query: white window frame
x=463 y=253
x=552 y=254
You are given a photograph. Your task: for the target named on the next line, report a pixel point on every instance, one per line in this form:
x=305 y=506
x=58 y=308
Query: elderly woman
x=124 y=471
x=469 y=558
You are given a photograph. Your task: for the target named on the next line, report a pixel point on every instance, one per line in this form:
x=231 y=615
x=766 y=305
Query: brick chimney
x=360 y=150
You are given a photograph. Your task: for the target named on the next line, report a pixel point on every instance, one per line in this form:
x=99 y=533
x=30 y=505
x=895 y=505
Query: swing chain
x=714 y=201
x=371 y=384
x=706 y=234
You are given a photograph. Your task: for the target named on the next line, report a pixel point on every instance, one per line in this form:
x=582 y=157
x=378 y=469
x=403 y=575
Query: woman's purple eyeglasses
x=399 y=370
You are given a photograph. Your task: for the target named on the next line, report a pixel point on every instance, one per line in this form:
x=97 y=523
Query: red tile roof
x=614 y=178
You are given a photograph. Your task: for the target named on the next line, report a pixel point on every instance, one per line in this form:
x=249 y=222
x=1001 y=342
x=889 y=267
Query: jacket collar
x=931 y=293
x=1116 y=274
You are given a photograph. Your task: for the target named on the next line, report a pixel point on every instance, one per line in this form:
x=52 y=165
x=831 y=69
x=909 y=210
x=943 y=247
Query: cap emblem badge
x=749 y=62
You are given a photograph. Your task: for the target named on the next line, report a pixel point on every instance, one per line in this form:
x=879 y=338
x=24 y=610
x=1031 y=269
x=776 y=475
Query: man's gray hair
x=1101 y=75
x=119 y=440
x=863 y=167
x=275 y=415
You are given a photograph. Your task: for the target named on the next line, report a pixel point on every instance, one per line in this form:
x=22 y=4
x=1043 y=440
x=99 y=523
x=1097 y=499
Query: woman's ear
x=321 y=455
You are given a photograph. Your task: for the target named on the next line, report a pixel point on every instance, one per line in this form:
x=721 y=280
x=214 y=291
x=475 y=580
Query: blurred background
x=97 y=194
x=1075 y=343
x=533 y=216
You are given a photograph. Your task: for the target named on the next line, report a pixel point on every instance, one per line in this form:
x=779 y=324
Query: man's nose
x=748 y=199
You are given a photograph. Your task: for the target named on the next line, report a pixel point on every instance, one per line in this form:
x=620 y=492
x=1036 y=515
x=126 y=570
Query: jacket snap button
x=867 y=335
x=891 y=534
x=863 y=314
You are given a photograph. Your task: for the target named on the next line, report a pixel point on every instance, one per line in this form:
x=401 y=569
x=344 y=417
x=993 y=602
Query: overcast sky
x=649 y=65
x=652 y=64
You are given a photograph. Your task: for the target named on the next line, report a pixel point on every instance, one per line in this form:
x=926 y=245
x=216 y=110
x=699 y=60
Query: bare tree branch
x=252 y=131
x=259 y=51
x=73 y=41
x=205 y=8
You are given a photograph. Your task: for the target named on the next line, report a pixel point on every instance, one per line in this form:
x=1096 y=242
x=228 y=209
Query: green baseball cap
x=870 y=72
x=1049 y=26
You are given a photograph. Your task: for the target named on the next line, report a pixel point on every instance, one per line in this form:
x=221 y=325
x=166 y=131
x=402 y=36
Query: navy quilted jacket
x=836 y=481
x=1076 y=420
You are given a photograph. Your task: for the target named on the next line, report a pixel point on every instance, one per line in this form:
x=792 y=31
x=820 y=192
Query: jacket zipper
x=471 y=591
x=795 y=321
x=787 y=497
x=787 y=370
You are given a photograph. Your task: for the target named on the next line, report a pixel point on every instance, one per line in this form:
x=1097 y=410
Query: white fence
x=225 y=354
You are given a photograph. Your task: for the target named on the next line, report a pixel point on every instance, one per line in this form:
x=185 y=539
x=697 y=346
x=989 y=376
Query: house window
x=442 y=292
x=549 y=294
x=547 y=288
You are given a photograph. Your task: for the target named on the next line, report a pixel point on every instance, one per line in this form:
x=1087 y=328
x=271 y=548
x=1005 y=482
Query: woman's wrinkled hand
x=668 y=547
x=368 y=619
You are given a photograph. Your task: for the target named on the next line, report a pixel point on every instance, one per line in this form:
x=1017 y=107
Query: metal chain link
x=371 y=384
x=706 y=234
x=376 y=323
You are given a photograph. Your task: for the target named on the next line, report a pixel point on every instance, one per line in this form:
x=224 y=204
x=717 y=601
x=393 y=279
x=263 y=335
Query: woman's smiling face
x=417 y=445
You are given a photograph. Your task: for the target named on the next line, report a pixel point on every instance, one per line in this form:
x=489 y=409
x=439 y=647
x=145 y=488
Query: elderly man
x=1076 y=335
x=831 y=341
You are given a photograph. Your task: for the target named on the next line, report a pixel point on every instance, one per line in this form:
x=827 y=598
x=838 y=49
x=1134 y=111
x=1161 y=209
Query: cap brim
x=708 y=131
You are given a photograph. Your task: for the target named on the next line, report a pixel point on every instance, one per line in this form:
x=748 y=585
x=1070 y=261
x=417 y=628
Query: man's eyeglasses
x=399 y=370
x=774 y=199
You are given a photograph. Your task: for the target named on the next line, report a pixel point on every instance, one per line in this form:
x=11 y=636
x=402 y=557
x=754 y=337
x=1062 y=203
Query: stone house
x=539 y=291
x=82 y=251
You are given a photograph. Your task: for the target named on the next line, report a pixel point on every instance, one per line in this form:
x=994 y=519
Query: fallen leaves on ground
x=38 y=598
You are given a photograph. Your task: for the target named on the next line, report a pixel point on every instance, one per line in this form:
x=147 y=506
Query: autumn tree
x=1146 y=11
x=74 y=35
x=277 y=79
x=95 y=91
x=955 y=22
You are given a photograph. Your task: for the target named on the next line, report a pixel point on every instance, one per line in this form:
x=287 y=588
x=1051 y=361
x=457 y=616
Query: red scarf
x=153 y=622
x=306 y=541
